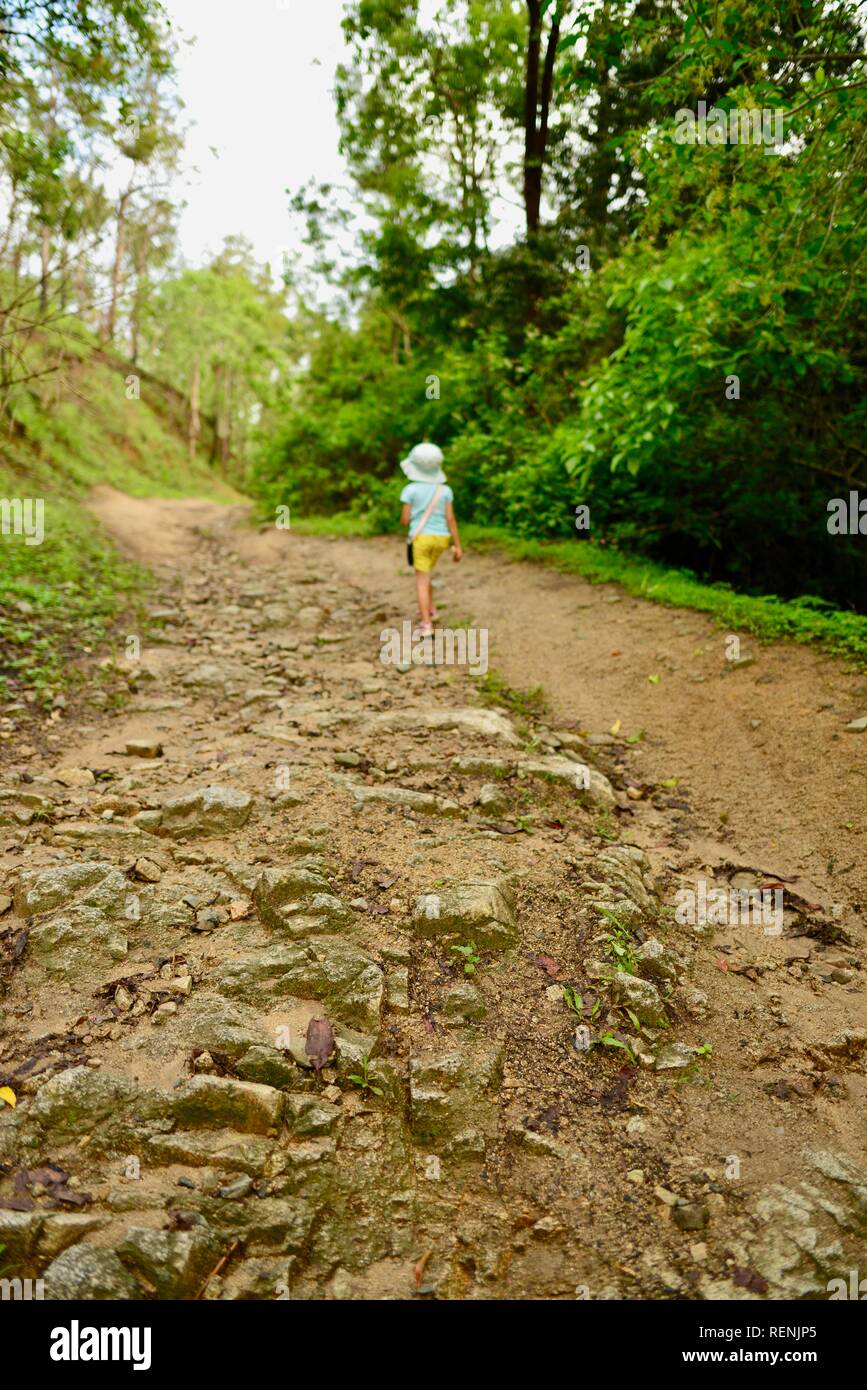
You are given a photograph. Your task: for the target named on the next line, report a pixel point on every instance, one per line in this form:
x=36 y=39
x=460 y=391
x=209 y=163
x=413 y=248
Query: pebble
x=144 y=748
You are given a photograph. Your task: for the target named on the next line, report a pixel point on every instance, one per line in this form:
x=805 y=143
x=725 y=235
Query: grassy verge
x=63 y=435
x=765 y=616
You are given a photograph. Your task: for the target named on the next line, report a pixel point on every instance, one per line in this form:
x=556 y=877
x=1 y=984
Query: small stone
x=235 y=1191
x=673 y=1057
x=75 y=777
x=698 y=1251
x=690 y=1216
x=662 y=1194
x=5 y=903
x=144 y=748
x=146 y=870
x=857 y=726
x=348 y=759
x=636 y=1176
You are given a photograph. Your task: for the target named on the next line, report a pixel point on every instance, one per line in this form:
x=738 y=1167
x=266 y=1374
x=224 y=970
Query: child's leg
x=423 y=589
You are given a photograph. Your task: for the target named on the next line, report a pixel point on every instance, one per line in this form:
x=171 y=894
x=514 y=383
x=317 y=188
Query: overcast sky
x=258 y=89
x=257 y=86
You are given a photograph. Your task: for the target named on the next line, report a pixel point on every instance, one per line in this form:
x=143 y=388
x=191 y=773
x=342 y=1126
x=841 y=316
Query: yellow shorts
x=426 y=550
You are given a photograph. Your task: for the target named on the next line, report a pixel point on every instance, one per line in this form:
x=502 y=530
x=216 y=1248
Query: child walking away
x=428 y=511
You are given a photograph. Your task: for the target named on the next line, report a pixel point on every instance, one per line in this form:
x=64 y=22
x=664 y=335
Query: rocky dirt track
x=249 y=1059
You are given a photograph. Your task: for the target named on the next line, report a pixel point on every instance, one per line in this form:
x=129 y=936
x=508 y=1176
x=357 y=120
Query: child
x=429 y=525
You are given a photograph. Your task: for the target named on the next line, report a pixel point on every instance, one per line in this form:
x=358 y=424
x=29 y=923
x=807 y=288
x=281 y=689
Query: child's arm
x=451 y=522
x=406 y=513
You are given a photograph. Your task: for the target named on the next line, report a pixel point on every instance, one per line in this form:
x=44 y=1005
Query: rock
x=487 y=723
x=75 y=777
x=77 y=1101
x=463 y=1003
x=590 y=784
x=690 y=1216
x=453 y=1097
x=282 y=1224
x=481 y=766
x=348 y=759
x=147 y=871
x=423 y=803
x=397 y=990
x=144 y=748
x=659 y=962
x=695 y=1001
x=40 y=890
x=236 y=1191
x=5 y=903
x=336 y=973
x=267 y=1065
x=297 y=900
x=641 y=997
x=174 y=1263
x=221 y=1148
x=490 y=800
x=221 y=1027
x=212 y=811
x=215 y=1102
x=31 y=1238
x=85 y=1272
x=480 y=910
x=673 y=1057
x=308 y=1115
x=857 y=726
x=209 y=676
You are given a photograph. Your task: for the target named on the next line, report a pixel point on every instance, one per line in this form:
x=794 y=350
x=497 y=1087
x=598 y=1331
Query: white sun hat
x=424 y=464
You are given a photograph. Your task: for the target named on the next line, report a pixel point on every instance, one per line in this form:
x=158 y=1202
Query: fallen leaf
x=7 y=1095
x=319 y=1042
x=749 y=1279
x=420 y=1267
x=548 y=964
x=387 y=881
x=615 y=727
x=654 y=680
x=356 y=869
x=722 y=963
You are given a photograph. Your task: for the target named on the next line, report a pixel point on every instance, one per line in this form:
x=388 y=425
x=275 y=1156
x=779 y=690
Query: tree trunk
x=537 y=108
x=224 y=417
x=195 y=420
x=141 y=262
x=45 y=257
x=119 y=252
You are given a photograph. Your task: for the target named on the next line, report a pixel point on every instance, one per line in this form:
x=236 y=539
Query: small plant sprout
x=362 y=1079
x=471 y=960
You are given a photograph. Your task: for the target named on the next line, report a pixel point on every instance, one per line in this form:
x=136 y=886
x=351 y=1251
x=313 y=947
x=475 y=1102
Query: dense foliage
x=590 y=358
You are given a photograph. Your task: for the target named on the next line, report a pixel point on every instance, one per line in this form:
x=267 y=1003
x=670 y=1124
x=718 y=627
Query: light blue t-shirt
x=418 y=495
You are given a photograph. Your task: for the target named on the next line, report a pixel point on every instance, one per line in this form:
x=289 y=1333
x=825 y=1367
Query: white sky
x=254 y=91
x=258 y=88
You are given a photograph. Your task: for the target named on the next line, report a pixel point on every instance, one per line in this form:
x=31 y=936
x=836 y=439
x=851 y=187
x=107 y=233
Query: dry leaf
x=7 y=1096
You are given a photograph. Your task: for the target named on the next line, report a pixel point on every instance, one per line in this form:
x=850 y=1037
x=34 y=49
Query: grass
x=64 y=434
x=766 y=617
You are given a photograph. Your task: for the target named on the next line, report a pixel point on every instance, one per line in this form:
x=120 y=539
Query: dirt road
x=527 y=1078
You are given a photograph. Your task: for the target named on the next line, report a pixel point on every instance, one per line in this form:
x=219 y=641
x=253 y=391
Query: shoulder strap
x=427 y=515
